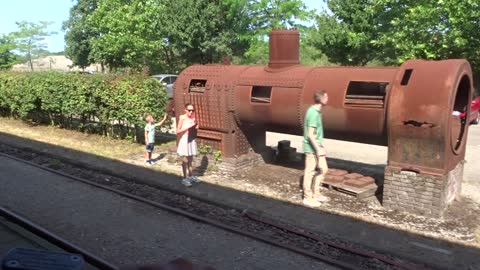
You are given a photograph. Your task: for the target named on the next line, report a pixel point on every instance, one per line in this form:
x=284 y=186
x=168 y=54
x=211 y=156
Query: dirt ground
x=283 y=182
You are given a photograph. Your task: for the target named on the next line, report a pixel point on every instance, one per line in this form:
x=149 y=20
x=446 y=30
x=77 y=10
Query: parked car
x=475 y=108
x=474 y=112
x=167 y=80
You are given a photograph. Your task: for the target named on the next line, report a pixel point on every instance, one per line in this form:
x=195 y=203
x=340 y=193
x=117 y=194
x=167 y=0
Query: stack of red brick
x=335 y=176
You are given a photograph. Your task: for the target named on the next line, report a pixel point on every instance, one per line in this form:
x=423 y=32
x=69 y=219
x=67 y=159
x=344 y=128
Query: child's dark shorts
x=150 y=147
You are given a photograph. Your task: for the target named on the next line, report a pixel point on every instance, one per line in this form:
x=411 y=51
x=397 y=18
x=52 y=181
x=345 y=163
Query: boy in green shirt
x=314 y=152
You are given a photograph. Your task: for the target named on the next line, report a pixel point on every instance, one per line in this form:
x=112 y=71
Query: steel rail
x=55 y=239
x=377 y=256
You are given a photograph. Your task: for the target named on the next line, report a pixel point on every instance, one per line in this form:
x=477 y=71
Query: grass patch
x=88 y=143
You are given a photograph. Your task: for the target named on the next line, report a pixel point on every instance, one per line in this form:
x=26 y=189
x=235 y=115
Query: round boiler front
x=426 y=130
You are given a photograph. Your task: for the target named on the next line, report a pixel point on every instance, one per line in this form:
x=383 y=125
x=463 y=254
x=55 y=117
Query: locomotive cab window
x=366 y=94
x=197 y=86
x=261 y=94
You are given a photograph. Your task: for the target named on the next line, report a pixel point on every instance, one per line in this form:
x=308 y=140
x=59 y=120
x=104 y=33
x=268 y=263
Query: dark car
x=167 y=80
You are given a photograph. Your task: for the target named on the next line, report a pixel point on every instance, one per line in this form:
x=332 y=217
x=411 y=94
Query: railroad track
x=320 y=247
x=54 y=239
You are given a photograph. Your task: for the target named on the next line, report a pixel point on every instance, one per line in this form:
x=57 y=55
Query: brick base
x=420 y=193
x=244 y=162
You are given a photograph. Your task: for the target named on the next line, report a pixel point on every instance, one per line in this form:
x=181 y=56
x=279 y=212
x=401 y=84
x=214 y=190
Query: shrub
x=112 y=105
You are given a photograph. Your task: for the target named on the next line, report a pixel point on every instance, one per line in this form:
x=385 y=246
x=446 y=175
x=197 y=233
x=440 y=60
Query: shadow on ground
x=434 y=252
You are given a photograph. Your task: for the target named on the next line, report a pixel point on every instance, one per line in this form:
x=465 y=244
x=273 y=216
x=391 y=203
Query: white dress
x=187 y=145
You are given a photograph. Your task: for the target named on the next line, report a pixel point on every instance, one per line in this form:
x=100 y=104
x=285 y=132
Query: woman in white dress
x=187 y=144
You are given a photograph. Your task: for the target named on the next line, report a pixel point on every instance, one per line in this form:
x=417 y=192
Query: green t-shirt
x=313 y=118
x=150 y=129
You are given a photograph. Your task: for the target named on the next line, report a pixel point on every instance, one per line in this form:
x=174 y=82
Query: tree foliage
x=30 y=39
x=390 y=32
x=7 y=57
x=428 y=30
x=168 y=35
x=129 y=32
x=78 y=33
x=345 y=33
x=206 y=31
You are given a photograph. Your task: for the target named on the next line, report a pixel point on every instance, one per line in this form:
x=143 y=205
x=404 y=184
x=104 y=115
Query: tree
x=309 y=54
x=129 y=33
x=345 y=33
x=29 y=39
x=206 y=31
x=7 y=57
x=168 y=35
x=268 y=14
x=429 y=30
x=78 y=33
x=393 y=31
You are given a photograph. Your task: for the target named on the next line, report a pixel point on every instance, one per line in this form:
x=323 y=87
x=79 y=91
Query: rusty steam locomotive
x=411 y=108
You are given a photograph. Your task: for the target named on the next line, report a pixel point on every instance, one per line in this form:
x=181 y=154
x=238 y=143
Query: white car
x=167 y=80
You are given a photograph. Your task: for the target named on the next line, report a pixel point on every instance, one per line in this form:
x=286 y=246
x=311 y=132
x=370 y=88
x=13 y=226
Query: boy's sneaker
x=186 y=182
x=194 y=179
x=311 y=203
x=148 y=162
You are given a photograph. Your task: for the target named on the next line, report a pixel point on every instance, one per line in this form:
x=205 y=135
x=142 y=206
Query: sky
x=56 y=11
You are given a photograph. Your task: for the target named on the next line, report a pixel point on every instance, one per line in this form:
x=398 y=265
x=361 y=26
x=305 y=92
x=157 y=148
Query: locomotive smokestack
x=284 y=48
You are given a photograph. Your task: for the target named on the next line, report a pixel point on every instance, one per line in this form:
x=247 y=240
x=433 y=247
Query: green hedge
x=112 y=105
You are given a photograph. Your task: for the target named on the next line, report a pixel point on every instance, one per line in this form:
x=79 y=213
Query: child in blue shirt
x=150 y=136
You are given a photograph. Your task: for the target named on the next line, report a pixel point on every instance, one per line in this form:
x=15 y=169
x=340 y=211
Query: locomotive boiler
x=413 y=109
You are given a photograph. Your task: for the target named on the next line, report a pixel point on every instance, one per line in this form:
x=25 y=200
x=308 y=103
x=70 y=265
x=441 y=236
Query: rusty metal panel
x=278 y=109
x=341 y=120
